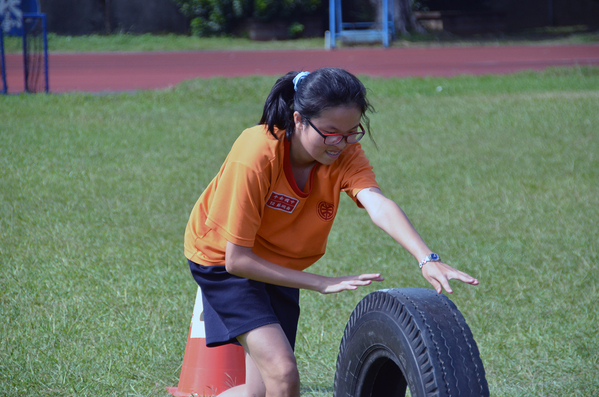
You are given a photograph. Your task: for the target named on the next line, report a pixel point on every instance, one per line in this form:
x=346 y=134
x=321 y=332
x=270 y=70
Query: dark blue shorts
x=234 y=305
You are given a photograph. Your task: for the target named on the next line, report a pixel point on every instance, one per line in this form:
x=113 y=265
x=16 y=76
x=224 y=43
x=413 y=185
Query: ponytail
x=322 y=89
x=278 y=108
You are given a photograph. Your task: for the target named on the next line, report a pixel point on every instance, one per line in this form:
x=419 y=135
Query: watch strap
x=430 y=258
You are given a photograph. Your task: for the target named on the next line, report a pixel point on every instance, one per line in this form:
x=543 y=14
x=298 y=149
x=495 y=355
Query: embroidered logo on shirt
x=326 y=211
x=281 y=202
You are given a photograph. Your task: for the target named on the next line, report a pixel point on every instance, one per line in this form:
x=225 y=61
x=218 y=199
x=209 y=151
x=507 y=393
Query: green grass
x=174 y=42
x=498 y=173
x=562 y=35
x=165 y=42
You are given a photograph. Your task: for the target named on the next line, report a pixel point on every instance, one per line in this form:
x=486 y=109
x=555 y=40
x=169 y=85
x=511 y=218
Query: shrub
x=284 y=10
x=219 y=17
x=213 y=17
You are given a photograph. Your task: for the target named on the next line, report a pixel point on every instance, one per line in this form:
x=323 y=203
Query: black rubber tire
x=414 y=336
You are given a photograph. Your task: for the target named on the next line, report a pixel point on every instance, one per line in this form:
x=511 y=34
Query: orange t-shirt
x=254 y=202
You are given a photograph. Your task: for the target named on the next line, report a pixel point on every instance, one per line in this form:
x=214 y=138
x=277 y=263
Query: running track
x=106 y=72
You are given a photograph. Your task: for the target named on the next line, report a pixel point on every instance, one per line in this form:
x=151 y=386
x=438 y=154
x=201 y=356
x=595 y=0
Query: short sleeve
x=237 y=206
x=357 y=173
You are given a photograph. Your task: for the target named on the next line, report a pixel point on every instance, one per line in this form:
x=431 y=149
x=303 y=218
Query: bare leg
x=253 y=381
x=271 y=369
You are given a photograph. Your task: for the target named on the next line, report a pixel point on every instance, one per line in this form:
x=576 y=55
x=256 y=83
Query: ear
x=297 y=120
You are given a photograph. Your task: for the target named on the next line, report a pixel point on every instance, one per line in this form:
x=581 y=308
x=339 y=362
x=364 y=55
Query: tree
x=404 y=18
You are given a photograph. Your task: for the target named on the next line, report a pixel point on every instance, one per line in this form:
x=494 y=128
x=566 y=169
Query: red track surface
x=97 y=72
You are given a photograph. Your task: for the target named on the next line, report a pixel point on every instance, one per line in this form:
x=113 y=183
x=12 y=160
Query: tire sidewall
x=377 y=336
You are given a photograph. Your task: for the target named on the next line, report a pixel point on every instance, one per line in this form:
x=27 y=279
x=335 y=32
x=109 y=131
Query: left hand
x=439 y=274
x=338 y=284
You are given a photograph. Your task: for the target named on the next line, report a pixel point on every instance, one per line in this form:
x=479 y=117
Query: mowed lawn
x=500 y=175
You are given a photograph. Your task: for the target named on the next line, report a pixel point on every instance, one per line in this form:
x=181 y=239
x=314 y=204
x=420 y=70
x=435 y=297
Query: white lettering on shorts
x=281 y=202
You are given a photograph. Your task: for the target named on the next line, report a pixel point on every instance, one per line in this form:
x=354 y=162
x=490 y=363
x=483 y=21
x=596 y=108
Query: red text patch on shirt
x=281 y=202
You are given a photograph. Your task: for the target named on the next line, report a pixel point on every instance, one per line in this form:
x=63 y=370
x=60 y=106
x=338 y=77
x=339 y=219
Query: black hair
x=320 y=90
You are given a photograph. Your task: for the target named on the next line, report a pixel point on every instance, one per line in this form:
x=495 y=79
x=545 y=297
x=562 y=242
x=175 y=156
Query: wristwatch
x=431 y=258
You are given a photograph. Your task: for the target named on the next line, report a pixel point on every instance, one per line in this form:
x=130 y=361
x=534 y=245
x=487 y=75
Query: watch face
x=434 y=257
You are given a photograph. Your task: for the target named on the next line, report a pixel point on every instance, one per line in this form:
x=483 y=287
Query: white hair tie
x=298 y=77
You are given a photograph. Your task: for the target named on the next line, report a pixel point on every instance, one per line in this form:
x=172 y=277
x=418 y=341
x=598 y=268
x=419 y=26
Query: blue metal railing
x=42 y=17
x=340 y=29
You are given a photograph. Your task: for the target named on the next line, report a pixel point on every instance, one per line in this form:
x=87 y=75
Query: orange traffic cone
x=207 y=371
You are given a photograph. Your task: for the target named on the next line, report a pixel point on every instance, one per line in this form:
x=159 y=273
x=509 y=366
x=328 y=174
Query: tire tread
x=444 y=356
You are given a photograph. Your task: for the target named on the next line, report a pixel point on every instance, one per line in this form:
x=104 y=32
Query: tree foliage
x=211 y=17
x=217 y=17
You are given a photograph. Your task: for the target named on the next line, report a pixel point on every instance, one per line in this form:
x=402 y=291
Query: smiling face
x=307 y=145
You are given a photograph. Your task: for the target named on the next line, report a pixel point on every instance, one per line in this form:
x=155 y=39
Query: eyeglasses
x=333 y=139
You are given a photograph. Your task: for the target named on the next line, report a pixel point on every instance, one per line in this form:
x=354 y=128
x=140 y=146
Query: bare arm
x=243 y=262
x=387 y=215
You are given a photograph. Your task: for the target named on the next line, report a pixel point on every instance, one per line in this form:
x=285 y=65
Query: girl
x=266 y=216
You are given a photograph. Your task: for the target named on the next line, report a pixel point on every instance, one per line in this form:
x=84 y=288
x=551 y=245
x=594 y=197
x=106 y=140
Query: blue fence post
x=45 y=33
x=338 y=17
x=332 y=20
x=385 y=23
x=25 y=60
x=2 y=63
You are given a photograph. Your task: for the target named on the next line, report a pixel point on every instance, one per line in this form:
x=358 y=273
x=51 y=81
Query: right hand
x=439 y=274
x=332 y=285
